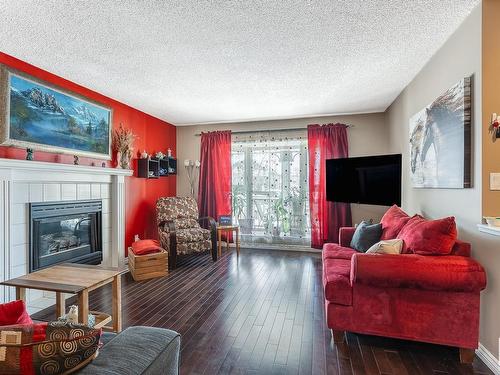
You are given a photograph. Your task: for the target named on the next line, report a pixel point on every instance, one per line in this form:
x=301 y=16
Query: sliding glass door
x=270 y=188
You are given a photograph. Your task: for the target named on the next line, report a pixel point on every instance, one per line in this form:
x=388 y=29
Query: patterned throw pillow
x=47 y=348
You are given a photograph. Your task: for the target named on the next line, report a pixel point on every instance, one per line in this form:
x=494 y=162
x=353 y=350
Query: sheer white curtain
x=270 y=187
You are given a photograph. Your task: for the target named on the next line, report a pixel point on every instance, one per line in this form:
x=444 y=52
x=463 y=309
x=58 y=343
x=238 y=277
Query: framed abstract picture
x=35 y=114
x=440 y=140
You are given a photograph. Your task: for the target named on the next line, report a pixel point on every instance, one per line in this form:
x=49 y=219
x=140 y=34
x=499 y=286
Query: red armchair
x=414 y=297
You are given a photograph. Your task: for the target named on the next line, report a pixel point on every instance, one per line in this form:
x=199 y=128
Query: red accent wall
x=153 y=135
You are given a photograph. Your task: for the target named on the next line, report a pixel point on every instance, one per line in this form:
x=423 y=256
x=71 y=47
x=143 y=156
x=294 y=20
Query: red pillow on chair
x=13 y=313
x=144 y=247
x=392 y=222
x=429 y=237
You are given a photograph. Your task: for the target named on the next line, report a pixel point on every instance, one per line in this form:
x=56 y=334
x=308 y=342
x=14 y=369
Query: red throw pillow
x=144 y=247
x=429 y=237
x=14 y=313
x=392 y=222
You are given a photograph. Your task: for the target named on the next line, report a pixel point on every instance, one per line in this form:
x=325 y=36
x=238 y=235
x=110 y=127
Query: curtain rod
x=268 y=130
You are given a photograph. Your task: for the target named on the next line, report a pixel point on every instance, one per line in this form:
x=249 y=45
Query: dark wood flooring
x=263 y=314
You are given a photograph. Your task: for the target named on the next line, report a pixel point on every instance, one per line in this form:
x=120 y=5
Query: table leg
x=60 y=304
x=20 y=293
x=228 y=234
x=117 y=303
x=238 y=241
x=219 y=243
x=83 y=306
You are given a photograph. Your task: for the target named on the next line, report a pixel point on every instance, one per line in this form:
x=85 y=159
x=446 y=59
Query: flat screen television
x=369 y=180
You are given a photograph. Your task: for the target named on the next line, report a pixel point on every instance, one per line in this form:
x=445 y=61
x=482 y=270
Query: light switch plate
x=494 y=181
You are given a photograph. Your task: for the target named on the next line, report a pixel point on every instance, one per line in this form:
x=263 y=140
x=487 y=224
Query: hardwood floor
x=263 y=314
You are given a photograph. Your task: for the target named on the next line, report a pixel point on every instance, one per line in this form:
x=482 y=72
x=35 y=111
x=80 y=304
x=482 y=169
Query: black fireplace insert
x=66 y=231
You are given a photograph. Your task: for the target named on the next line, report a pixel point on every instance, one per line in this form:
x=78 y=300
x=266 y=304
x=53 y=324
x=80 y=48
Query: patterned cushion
x=186 y=222
x=186 y=247
x=192 y=235
x=53 y=348
x=170 y=208
x=193 y=247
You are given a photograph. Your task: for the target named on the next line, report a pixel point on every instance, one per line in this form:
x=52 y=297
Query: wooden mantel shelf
x=494 y=231
x=41 y=166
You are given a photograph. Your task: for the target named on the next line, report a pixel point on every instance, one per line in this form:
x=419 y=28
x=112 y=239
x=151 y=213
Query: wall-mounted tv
x=369 y=180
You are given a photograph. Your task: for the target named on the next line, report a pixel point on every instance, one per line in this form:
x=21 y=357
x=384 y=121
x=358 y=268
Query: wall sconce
x=191 y=166
x=494 y=127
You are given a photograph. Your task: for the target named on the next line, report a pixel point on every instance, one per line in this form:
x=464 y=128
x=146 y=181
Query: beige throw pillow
x=386 y=247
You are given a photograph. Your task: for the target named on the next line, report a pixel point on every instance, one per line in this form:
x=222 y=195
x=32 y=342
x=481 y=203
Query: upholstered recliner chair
x=182 y=231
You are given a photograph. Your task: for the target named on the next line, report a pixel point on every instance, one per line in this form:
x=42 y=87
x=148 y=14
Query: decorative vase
x=124 y=159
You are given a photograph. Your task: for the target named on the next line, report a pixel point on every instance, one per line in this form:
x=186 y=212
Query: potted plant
x=239 y=198
x=281 y=217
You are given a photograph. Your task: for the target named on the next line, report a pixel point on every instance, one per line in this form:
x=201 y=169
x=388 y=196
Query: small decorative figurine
x=103 y=165
x=169 y=153
x=76 y=160
x=92 y=164
x=72 y=315
x=29 y=154
x=144 y=155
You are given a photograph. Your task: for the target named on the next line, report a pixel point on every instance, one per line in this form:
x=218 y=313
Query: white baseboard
x=488 y=359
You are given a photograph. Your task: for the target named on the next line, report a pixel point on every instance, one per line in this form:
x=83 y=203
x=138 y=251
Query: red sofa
x=433 y=299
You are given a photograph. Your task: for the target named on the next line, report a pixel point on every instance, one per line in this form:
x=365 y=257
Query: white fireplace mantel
x=22 y=182
x=25 y=166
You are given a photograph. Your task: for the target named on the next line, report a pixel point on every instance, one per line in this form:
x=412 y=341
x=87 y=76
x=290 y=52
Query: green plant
x=238 y=200
x=281 y=216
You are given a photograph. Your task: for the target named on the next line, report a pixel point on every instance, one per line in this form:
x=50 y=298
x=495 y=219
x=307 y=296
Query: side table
x=227 y=229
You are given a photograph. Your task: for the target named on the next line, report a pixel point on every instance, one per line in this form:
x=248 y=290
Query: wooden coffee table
x=79 y=279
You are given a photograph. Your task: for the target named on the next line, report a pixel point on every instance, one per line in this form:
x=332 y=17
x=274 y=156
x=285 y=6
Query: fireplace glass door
x=68 y=235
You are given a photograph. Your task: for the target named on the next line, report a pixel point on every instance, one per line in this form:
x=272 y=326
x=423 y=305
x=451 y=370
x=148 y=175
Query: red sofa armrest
x=345 y=236
x=447 y=273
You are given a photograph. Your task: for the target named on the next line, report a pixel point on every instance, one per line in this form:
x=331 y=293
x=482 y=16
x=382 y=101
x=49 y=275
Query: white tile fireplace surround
x=22 y=182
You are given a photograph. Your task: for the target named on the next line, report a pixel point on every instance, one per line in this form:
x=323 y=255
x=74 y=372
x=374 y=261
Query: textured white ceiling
x=194 y=61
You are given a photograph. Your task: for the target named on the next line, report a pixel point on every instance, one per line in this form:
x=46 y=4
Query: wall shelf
x=494 y=231
x=156 y=168
x=148 y=168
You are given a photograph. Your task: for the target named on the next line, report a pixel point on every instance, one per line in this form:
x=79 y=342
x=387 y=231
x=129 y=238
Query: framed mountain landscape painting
x=44 y=117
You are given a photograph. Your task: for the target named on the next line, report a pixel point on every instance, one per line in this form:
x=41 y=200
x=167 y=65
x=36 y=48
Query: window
x=270 y=187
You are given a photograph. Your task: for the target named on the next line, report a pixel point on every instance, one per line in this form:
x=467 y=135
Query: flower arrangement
x=123 y=140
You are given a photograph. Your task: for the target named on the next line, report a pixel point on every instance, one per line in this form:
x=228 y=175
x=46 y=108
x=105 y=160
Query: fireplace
x=68 y=231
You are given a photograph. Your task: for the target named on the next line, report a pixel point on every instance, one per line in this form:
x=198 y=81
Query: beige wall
x=459 y=57
x=369 y=136
x=491 y=102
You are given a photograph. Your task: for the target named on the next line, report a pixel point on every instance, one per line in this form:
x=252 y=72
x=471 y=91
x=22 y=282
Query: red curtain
x=214 y=190
x=325 y=142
